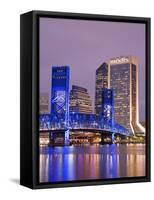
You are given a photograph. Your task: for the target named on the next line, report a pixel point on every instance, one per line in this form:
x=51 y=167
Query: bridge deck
x=82 y=130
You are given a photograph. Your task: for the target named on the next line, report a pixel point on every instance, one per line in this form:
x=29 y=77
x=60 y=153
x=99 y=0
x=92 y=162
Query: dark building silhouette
x=101 y=83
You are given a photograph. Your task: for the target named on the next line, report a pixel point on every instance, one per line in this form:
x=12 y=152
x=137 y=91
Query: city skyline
x=72 y=110
x=116 y=94
x=90 y=43
x=104 y=83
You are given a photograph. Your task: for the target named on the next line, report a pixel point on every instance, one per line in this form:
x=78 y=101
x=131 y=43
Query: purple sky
x=84 y=46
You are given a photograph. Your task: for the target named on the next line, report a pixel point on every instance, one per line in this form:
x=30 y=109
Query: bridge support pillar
x=102 y=139
x=52 y=137
x=66 y=138
x=113 y=137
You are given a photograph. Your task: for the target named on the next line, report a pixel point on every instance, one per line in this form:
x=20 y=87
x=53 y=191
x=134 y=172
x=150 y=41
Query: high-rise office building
x=123 y=79
x=44 y=103
x=108 y=108
x=80 y=100
x=60 y=95
x=101 y=83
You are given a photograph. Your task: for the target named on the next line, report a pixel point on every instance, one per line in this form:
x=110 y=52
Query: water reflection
x=91 y=162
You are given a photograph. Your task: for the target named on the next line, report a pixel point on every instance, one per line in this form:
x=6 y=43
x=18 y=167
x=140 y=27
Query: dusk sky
x=84 y=46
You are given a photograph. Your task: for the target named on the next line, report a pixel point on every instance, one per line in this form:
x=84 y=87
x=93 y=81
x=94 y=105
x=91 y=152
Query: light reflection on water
x=91 y=162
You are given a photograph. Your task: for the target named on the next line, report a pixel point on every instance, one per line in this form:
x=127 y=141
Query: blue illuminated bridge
x=78 y=122
x=62 y=121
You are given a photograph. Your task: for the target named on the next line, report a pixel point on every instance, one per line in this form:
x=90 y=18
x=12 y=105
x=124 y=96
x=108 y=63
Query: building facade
x=60 y=96
x=101 y=83
x=80 y=101
x=123 y=79
x=44 y=103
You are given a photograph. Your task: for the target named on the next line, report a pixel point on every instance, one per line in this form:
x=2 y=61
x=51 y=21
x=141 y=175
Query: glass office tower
x=123 y=79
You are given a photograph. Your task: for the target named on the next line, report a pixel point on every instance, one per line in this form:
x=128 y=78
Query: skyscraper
x=123 y=79
x=60 y=95
x=80 y=101
x=101 y=83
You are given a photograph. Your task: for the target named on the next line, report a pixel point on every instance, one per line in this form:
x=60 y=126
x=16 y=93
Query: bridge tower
x=108 y=108
x=60 y=98
x=107 y=112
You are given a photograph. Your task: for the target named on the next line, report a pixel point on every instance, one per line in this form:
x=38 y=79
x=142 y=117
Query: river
x=91 y=162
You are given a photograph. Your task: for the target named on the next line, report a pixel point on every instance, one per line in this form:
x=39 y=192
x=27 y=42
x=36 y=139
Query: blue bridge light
x=81 y=121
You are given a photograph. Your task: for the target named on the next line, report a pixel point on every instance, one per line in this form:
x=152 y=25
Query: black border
x=35 y=97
